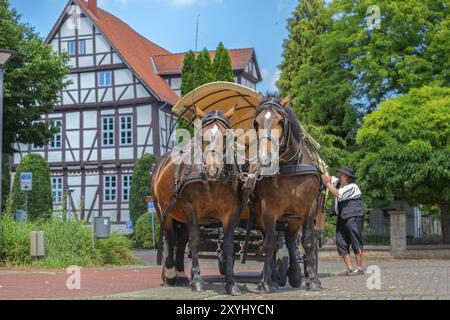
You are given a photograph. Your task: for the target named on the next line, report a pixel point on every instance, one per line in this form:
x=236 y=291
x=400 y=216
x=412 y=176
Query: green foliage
x=404 y=148
x=116 y=251
x=142 y=237
x=203 y=69
x=187 y=73
x=6 y=178
x=33 y=81
x=313 y=72
x=40 y=199
x=67 y=243
x=410 y=50
x=222 y=65
x=141 y=186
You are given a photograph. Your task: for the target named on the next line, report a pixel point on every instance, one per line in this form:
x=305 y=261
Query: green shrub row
x=143 y=232
x=67 y=243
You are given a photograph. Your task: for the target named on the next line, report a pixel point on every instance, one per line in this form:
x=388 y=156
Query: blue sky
x=171 y=23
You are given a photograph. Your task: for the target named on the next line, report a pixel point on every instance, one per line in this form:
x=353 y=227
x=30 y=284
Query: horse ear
x=286 y=101
x=230 y=113
x=199 y=112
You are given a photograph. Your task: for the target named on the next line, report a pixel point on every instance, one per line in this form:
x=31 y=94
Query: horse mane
x=292 y=117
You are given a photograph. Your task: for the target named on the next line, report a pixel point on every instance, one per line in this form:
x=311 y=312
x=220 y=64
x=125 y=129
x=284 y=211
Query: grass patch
x=67 y=243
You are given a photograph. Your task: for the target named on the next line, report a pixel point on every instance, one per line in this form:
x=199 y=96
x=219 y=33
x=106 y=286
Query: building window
x=71 y=48
x=126 y=132
x=108 y=131
x=110 y=188
x=55 y=141
x=81 y=47
x=126 y=187
x=105 y=79
x=57 y=190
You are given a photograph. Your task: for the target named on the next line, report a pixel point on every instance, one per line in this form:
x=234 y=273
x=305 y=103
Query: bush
x=67 y=243
x=141 y=186
x=40 y=199
x=143 y=232
x=116 y=251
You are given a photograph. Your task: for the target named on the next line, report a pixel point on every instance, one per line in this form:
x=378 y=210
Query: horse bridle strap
x=280 y=109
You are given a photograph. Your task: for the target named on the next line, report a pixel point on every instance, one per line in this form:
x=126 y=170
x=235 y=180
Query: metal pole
x=26 y=202
x=153 y=229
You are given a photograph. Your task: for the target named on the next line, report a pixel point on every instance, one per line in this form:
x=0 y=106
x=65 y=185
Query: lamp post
x=5 y=56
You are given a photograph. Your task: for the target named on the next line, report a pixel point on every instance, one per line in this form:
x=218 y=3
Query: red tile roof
x=173 y=63
x=135 y=49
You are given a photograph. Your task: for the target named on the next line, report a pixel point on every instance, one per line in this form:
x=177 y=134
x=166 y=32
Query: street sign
x=151 y=206
x=129 y=225
x=26 y=181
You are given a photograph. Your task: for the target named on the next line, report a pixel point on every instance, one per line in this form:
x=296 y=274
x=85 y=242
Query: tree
x=33 y=81
x=409 y=50
x=314 y=72
x=203 y=73
x=222 y=65
x=141 y=186
x=187 y=73
x=40 y=198
x=404 y=151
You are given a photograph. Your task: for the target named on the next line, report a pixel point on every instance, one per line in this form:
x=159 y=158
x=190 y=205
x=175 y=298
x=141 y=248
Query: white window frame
x=57 y=190
x=110 y=188
x=127 y=132
x=81 y=45
x=102 y=79
x=126 y=187
x=72 y=44
x=53 y=141
x=108 y=134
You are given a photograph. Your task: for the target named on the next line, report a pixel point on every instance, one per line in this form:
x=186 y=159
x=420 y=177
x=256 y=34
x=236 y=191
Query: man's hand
x=326 y=179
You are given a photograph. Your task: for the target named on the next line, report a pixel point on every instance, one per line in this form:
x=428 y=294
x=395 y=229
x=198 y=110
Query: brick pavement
x=400 y=279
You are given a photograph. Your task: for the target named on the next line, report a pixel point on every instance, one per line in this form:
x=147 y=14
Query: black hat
x=348 y=172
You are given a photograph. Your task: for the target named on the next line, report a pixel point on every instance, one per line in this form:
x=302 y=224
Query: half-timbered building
x=116 y=109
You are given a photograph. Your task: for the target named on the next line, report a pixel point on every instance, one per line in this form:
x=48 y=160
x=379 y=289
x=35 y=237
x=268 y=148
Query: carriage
x=248 y=240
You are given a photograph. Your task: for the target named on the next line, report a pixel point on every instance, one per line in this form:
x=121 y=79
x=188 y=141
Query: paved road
x=400 y=279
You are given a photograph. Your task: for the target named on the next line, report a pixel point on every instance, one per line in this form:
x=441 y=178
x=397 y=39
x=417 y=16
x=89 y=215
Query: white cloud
x=274 y=79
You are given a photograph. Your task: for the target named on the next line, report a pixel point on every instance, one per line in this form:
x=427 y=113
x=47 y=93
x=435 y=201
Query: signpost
x=26 y=185
x=152 y=211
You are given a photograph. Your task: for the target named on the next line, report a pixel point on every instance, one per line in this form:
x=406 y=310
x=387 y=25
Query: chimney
x=92 y=6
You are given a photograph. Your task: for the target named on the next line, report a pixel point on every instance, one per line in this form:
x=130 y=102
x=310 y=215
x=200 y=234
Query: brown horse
x=290 y=194
x=198 y=194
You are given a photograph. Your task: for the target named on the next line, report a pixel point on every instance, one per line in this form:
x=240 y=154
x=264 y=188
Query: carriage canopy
x=222 y=96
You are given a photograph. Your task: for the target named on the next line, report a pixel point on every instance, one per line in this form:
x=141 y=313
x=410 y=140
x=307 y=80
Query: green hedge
x=40 y=199
x=141 y=186
x=143 y=232
x=67 y=243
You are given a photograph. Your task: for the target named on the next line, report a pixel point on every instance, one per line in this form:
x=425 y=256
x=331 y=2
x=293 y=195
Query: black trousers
x=349 y=233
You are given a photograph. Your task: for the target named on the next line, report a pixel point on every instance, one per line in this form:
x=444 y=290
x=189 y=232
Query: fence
x=421 y=230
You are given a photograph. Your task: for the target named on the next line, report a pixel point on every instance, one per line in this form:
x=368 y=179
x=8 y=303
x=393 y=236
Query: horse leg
x=228 y=246
x=170 y=274
x=270 y=245
x=294 y=272
x=309 y=243
x=194 y=233
x=182 y=240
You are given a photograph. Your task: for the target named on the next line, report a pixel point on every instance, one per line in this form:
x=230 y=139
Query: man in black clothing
x=349 y=208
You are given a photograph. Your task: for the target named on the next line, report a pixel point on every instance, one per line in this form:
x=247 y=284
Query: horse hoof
x=267 y=288
x=233 y=290
x=171 y=282
x=197 y=287
x=182 y=282
x=295 y=279
x=313 y=286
